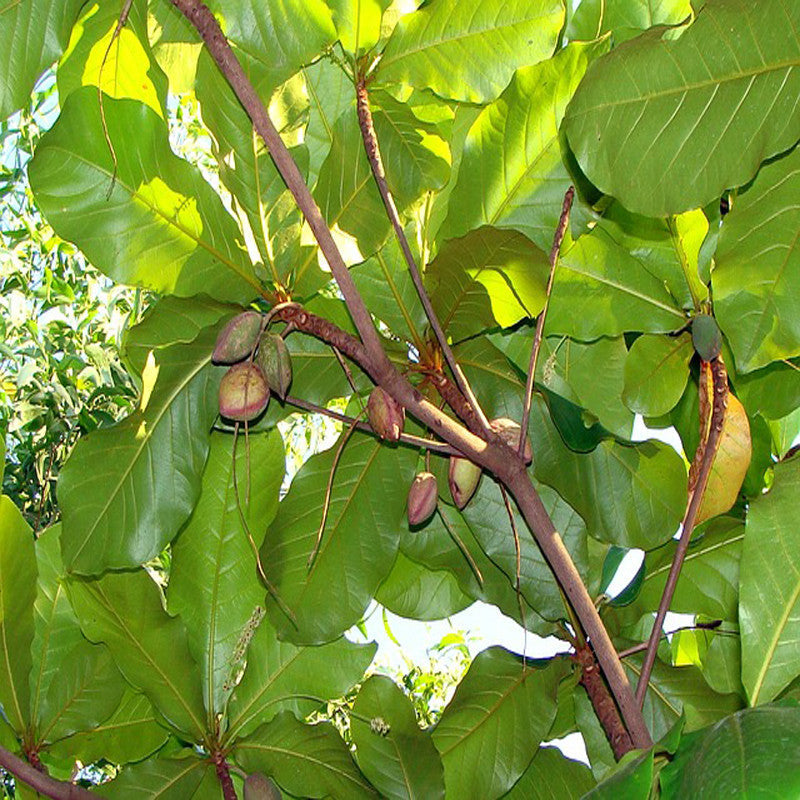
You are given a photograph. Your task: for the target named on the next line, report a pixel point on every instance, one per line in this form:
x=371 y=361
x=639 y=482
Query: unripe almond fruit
x=274 y=359
x=386 y=416
x=706 y=337
x=237 y=339
x=463 y=478
x=509 y=432
x=243 y=392
x=422 y=498
x=260 y=787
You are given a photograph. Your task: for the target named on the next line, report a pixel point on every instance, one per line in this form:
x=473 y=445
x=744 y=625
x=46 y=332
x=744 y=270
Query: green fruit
x=422 y=498
x=237 y=339
x=243 y=392
x=706 y=337
x=386 y=416
x=274 y=359
x=463 y=478
x=260 y=787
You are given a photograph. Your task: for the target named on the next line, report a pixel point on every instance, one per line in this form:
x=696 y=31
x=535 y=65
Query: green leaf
x=214 y=584
x=630 y=781
x=413 y=591
x=487 y=278
x=124 y=610
x=755 y=279
x=754 y=753
x=159 y=779
x=624 y=18
x=359 y=542
x=280 y=676
x=656 y=372
x=552 y=776
x=86 y=692
x=33 y=34
x=127 y=489
x=512 y=174
x=503 y=705
x=663 y=128
x=393 y=752
x=358 y=22
x=162 y=227
x=130 y=734
x=773 y=392
x=769 y=605
x=17 y=596
x=469 y=53
x=305 y=760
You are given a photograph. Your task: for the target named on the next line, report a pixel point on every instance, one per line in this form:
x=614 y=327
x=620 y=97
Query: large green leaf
x=33 y=33
x=214 y=585
x=125 y=611
x=399 y=759
x=769 y=606
x=512 y=174
x=504 y=706
x=656 y=372
x=487 y=278
x=161 y=227
x=665 y=128
x=17 y=595
x=359 y=541
x=160 y=779
x=757 y=274
x=127 y=489
x=469 y=52
x=632 y=780
x=358 y=22
x=624 y=18
x=305 y=760
x=131 y=733
x=773 y=392
x=753 y=753
x=552 y=776
x=282 y=677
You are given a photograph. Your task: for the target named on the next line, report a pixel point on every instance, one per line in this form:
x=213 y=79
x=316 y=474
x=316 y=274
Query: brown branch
x=563 y=221
x=224 y=777
x=379 y=173
x=490 y=452
x=42 y=783
x=707 y=451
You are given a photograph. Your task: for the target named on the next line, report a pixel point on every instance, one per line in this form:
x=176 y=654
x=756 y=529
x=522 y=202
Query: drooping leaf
x=282 y=677
x=511 y=173
x=159 y=779
x=33 y=33
x=552 y=776
x=469 y=53
x=770 y=587
x=17 y=595
x=125 y=611
x=503 y=705
x=305 y=760
x=744 y=754
x=124 y=512
x=663 y=128
x=162 y=227
x=214 y=585
x=755 y=279
x=624 y=18
x=656 y=372
x=359 y=542
x=399 y=758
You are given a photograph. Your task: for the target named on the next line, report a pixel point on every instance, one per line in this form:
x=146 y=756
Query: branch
x=376 y=163
x=709 y=450
x=699 y=626
x=563 y=220
x=41 y=782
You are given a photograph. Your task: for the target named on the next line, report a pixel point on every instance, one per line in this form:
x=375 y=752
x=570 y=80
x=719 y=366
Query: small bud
x=706 y=337
x=274 y=359
x=237 y=339
x=509 y=432
x=422 y=498
x=260 y=787
x=463 y=478
x=386 y=416
x=243 y=392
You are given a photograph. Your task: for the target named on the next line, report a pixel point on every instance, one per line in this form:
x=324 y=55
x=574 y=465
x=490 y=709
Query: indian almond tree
x=490 y=234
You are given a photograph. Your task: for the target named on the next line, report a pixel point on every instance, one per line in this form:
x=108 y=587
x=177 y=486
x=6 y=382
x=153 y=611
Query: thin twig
x=563 y=221
x=378 y=172
x=699 y=626
x=462 y=547
x=719 y=402
x=349 y=375
x=518 y=571
x=44 y=784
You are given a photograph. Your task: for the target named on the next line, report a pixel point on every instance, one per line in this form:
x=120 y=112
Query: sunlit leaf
x=358 y=22
x=656 y=372
x=624 y=18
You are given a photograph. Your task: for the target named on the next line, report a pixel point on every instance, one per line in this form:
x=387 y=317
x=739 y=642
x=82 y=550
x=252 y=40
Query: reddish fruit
x=463 y=478
x=422 y=498
x=386 y=416
x=509 y=432
x=274 y=359
x=243 y=392
x=237 y=339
